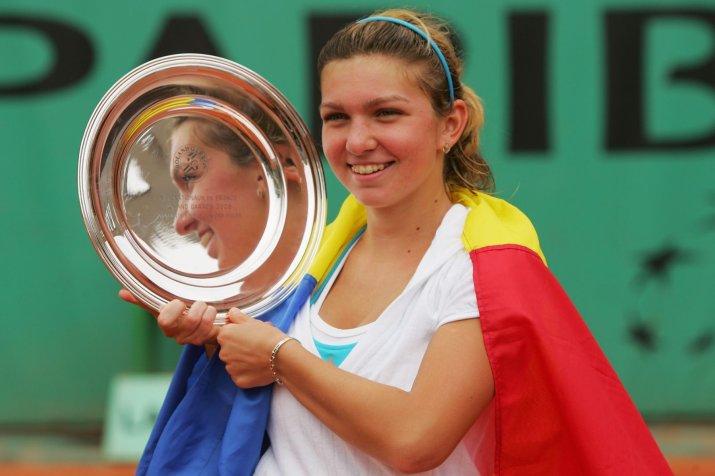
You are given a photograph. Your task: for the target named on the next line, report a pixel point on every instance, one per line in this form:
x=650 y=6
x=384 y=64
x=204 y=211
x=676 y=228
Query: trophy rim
x=142 y=274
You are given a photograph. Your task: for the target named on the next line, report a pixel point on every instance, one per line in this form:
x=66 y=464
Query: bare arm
x=411 y=431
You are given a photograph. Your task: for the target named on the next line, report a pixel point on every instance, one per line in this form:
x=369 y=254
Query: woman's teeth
x=367 y=169
x=205 y=238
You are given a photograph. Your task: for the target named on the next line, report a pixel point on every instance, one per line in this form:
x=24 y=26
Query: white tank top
x=389 y=352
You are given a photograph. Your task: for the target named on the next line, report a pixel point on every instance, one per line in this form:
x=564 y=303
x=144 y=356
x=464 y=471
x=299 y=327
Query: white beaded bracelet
x=274 y=353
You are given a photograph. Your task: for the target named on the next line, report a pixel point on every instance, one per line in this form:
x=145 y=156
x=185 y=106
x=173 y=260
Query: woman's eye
x=334 y=116
x=388 y=112
x=188 y=178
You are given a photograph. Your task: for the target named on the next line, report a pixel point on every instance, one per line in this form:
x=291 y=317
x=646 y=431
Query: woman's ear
x=261 y=188
x=455 y=122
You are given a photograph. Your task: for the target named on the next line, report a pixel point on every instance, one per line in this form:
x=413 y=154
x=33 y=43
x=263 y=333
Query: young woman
x=429 y=336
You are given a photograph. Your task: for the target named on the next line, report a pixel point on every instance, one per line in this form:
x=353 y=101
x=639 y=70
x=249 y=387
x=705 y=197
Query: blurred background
x=600 y=125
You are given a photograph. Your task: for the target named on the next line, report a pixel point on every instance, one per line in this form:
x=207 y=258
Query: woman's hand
x=194 y=325
x=125 y=295
x=246 y=346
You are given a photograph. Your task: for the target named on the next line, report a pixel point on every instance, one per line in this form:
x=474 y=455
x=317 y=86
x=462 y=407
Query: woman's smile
x=380 y=134
x=369 y=169
x=205 y=238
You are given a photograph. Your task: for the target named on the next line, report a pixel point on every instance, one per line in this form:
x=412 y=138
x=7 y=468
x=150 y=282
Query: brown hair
x=464 y=166
x=220 y=136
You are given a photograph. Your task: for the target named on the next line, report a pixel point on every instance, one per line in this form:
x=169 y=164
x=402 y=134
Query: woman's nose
x=184 y=223
x=360 y=138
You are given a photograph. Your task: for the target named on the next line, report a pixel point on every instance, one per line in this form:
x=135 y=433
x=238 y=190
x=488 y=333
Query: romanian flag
x=559 y=408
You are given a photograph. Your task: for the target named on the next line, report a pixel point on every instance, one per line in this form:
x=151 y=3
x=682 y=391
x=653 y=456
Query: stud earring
x=446 y=148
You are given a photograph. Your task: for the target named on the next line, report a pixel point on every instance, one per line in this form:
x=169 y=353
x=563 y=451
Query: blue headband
x=431 y=42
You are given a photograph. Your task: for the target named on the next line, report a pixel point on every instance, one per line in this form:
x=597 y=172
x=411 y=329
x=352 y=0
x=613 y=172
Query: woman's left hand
x=246 y=346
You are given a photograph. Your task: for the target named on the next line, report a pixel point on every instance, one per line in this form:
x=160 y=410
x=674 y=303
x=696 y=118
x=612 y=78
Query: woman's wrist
x=273 y=361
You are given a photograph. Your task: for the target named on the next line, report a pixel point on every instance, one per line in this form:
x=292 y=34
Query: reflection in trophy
x=222 y=190
x=199 y=181
x=197 y=195
x=222 y=196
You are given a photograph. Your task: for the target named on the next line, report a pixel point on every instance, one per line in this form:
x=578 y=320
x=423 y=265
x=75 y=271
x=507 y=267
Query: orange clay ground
x=690 y=450
x=681 y=467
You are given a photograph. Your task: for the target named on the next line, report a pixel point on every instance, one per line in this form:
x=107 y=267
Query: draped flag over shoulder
x=559 y=408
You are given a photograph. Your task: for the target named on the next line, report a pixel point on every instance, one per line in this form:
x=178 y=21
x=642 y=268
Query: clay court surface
x=680 y=466
x=65 y=470
x=690 y=450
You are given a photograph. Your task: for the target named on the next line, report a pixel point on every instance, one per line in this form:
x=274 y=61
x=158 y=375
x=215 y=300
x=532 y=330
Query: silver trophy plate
x=199 y=181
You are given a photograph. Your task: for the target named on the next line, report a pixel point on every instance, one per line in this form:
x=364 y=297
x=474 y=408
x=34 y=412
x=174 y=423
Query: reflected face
x=223 y=203
x=381 y=135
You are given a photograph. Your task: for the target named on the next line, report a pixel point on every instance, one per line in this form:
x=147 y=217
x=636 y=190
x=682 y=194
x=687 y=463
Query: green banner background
x=627 y=221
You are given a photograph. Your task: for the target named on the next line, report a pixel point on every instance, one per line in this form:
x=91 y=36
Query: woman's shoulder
x=493 y=221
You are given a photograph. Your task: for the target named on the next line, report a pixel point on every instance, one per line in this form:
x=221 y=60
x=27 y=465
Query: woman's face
x=223 y=203
x=380 y=133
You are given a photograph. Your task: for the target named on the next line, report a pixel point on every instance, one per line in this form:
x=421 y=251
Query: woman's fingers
x=237 y=317
x=126 y=296
x=246 y=345
x=170 y=316
x=191 y=319
x=192 y=325
x=205 y=331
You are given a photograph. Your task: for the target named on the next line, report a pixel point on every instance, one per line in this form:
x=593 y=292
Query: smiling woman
x=380 y=132
x=429 y=336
